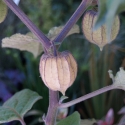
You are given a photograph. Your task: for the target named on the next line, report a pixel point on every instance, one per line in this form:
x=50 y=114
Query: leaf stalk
x=90 y=95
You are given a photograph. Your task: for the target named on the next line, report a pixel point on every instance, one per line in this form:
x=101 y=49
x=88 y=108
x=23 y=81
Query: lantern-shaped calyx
x=58 y=72
x=99 y=36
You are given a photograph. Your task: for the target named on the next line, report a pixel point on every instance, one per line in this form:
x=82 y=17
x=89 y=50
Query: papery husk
x=58 y=72
x=99 y=36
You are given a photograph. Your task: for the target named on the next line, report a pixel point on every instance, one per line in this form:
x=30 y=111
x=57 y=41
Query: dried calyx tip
x=63 y=93
x=101 y=48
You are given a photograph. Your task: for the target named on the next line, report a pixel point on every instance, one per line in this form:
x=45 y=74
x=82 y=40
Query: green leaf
x=101 y=14
x=88 y=122
x=113 y=9
x=73 y=119
x=28 y=42
x=3 y=11
x=18 y=105
x=108 y=9
x=7 y=115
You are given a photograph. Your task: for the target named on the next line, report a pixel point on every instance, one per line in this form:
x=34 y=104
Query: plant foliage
x=17 y=106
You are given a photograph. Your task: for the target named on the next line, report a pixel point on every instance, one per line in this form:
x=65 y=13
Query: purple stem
x=90 y=95
x=53 y=96
x=74 y=18
x=43 y=39
x=53 y=107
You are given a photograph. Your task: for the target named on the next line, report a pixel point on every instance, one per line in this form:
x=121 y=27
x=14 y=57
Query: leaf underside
x=30 y=42
x=53 y=32
x=26 y=42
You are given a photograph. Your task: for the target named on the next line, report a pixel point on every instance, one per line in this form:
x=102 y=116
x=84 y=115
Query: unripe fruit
x=99 y=36
x=58 y=72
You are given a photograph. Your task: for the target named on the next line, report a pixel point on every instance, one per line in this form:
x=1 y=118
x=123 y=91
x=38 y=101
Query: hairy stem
x=53 y=107
x=43 y=39
x=74 y=18
x=90 y=95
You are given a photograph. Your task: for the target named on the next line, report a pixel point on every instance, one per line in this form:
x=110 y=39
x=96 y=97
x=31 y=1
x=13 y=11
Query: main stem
x=53 y=96
x=43 y=39
x=53 y=107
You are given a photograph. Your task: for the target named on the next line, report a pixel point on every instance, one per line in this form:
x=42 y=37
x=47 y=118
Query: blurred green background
x=19 y=70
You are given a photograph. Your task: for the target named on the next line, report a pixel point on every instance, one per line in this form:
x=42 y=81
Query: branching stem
x=43 y=39
x=90 y=95
x=53 y=96
x=74 y=18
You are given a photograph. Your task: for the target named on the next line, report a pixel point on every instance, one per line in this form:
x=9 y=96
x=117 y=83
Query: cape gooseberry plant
x=58 y=70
